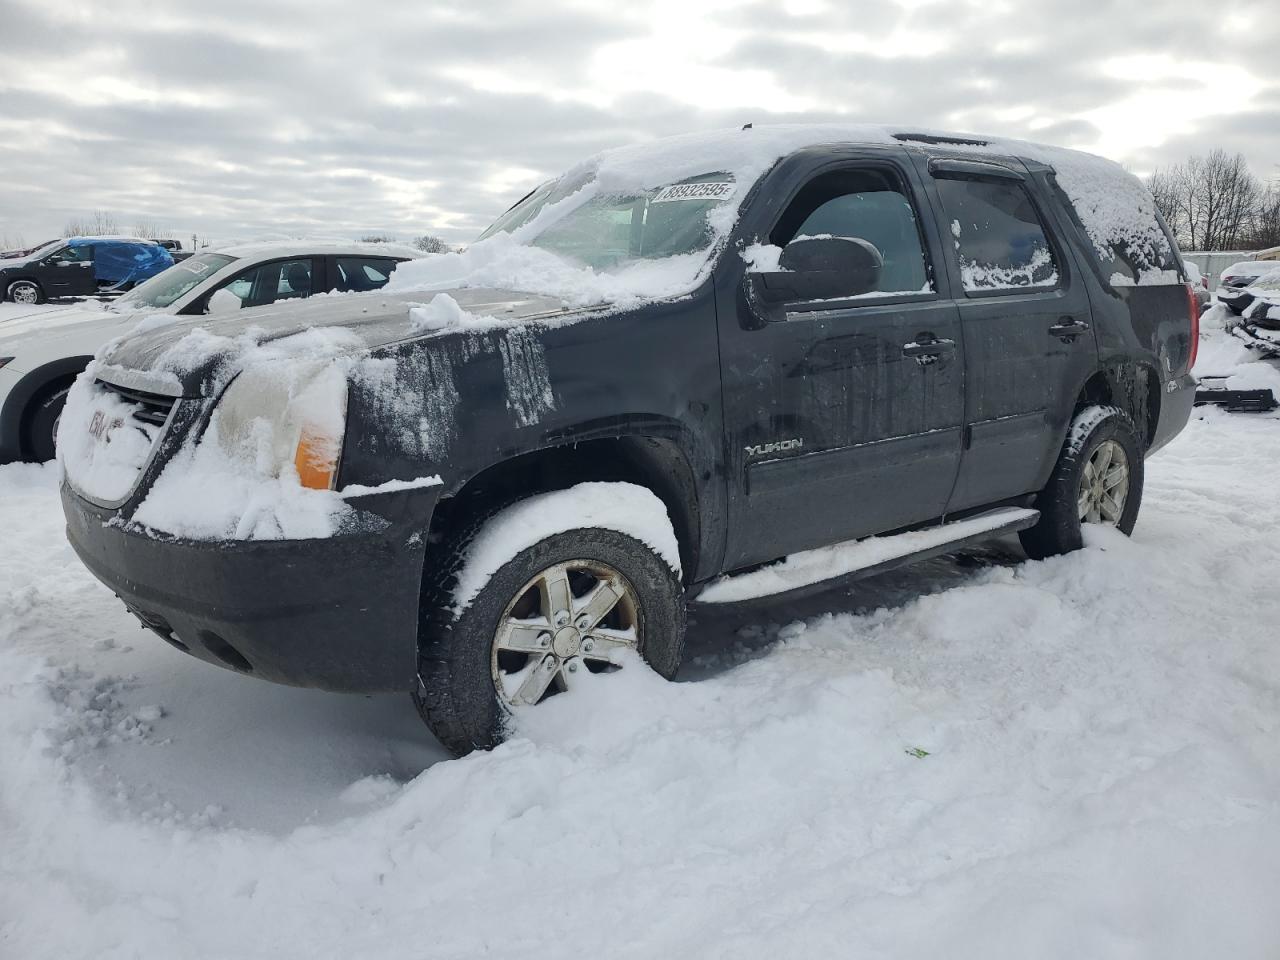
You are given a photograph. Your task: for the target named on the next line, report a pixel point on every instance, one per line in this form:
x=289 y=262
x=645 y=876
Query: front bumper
x=336 y=614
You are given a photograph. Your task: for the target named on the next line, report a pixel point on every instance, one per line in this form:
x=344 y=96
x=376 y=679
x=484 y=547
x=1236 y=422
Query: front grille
x=151 y=408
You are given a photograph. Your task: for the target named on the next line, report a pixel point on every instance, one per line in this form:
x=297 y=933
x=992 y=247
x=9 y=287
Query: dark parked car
x=80 y=267
x=175 y=249
x=708 y=354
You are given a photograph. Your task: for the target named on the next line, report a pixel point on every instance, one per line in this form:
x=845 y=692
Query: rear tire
x=25 y=291
x=42 y=425
x=462 y=692
x=1101 y=455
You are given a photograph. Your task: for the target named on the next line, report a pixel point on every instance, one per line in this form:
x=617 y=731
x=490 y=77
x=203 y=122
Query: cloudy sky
x=237 y=118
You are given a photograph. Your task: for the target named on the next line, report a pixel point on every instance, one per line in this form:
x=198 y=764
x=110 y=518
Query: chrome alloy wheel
x=24 y=291
x=573 y=616
x=1104 y=485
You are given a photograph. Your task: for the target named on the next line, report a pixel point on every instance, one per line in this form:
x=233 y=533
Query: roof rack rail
x=940 y=139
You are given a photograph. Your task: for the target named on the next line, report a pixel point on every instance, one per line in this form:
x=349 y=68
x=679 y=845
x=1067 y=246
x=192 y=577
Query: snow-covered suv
x=41 y=354
x=703 y=370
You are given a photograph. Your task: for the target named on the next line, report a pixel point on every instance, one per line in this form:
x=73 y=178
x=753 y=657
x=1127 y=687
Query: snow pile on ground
x=1224 y=361
x=1066 y=759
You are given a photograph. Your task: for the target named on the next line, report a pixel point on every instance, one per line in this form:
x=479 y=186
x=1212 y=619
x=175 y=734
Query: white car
x=41 y=354
x=1247 y=272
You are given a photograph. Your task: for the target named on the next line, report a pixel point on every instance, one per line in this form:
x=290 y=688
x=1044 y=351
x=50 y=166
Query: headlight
x=286 y=416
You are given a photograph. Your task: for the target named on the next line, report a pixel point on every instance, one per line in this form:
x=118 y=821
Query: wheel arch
x=32 y=386
x=653 y=461
x=1133 y=387
x=10 y=281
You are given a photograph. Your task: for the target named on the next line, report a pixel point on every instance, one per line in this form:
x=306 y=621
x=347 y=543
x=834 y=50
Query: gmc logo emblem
x=100 y=427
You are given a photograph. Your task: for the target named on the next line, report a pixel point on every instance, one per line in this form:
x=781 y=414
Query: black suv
x=646 y=384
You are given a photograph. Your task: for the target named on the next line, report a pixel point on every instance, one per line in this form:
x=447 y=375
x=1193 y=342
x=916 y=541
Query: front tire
x=42 y=426
x=1098 y=479
x=26 y=292
x=570 y=603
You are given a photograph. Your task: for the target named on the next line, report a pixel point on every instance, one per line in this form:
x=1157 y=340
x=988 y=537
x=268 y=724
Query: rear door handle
x=926 y=350
x=1068 y=328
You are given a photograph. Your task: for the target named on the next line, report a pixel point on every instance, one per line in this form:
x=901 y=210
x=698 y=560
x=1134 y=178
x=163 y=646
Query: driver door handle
x=1068 y=328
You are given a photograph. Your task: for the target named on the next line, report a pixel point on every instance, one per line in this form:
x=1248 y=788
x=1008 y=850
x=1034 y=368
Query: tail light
x=1193 y=314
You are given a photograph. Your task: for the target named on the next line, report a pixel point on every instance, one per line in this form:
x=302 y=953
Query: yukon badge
x=776 y=446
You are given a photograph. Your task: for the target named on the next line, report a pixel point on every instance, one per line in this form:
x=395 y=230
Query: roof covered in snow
x=303 y=247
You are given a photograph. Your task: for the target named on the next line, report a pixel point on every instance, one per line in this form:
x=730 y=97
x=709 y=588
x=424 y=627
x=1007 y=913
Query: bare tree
x=377 y=238
x=429 y=244
x=99 y=223
x=149 y=230
x=1210 y=202
x=1264 y=228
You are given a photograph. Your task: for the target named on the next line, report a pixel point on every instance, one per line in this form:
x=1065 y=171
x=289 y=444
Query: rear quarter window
x=1117 y=214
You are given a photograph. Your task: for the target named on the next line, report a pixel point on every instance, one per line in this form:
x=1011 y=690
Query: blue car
x=81 y=266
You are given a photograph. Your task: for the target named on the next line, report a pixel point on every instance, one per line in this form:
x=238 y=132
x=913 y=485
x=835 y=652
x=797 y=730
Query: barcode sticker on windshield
x=693 y=191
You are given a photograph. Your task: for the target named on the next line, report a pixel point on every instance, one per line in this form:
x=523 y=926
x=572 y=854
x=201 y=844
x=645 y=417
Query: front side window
x=870 y=205
x=999 y=239
x=72 y=255
x=359 y=274
x=272 y=282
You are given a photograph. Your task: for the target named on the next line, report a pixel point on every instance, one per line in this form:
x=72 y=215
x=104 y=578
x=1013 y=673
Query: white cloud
x=241 y=117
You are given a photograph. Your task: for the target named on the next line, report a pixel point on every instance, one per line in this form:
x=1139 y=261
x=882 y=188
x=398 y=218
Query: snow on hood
x=203 y=352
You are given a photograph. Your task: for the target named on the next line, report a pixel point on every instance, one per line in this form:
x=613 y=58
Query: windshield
x=579 y=220
x=166 y=287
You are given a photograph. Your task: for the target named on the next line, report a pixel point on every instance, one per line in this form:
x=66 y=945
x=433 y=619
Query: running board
x=818 y=569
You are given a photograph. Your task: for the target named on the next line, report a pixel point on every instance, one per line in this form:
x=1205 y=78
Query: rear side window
x=1128 y=240
x=358 y=274
x=869 y=205
x=999 y=239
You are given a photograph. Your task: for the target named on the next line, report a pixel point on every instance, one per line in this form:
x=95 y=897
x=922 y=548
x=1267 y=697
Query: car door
x=843 y=417
x=1026 y=326
x=68 y=272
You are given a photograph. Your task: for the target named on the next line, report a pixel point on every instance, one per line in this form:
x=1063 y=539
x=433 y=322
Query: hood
x=201 y=351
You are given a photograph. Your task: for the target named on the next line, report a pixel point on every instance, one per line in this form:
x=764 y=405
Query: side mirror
x=821 y=268
x=223 y=301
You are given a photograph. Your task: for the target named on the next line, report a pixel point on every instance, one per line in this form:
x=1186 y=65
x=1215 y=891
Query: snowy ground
x=976 y=757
